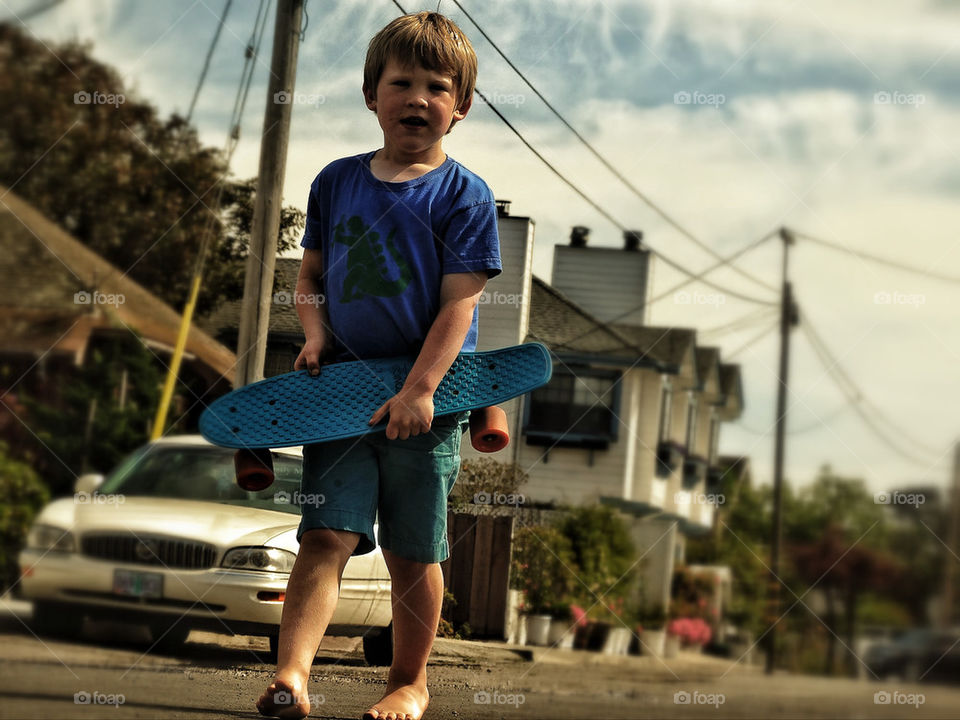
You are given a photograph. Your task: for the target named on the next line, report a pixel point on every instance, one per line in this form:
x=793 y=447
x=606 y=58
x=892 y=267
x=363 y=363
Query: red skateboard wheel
x=489 y=429
x=254 y=468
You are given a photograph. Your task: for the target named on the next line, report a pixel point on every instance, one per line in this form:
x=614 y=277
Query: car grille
x=150 y=550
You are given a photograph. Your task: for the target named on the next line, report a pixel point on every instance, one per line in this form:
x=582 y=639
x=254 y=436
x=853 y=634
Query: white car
x=169 y=540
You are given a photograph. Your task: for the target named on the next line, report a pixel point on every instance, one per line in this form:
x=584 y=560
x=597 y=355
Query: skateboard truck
x=488 y=433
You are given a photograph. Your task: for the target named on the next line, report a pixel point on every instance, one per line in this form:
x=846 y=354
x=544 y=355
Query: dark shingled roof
x=43 y=268
x=732 y=387
x=708 y=360
x=225 y=319
x=667 y=346
x=561 y=325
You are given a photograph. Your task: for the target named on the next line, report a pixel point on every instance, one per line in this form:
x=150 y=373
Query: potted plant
x=540 y=568
x=653 y=635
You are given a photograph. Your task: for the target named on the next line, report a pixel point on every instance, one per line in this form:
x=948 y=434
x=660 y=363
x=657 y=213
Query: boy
x=399 y=243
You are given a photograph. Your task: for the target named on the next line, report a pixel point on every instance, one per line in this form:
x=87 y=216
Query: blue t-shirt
x=387 y=245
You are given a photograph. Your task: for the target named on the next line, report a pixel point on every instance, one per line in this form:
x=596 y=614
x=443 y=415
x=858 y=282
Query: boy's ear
x=461 y=112
x=370 y=98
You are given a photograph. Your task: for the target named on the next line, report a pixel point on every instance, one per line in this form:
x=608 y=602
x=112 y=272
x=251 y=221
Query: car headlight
x=259 y=558
x=50 y=538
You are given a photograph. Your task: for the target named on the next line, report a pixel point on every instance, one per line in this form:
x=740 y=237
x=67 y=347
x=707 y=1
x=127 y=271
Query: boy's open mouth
x=413 y=121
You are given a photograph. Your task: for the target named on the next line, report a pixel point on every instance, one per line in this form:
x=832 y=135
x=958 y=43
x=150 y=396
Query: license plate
x=134 y=583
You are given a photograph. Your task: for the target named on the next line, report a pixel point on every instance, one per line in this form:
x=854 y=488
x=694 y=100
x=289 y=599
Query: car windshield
x=202 y=472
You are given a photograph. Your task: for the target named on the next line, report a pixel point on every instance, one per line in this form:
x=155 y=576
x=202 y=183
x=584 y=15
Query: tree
x=102 y=414
x=138 y=190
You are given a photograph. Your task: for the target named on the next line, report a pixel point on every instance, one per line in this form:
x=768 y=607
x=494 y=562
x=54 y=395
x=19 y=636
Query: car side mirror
x=88 y=483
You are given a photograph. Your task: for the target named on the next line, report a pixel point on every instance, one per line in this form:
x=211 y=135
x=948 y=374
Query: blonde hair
x=428 y=39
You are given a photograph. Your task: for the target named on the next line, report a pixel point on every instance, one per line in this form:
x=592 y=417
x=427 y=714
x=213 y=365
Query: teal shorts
x=347 y=483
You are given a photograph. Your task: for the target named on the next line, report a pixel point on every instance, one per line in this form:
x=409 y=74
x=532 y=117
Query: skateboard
x=299 y=409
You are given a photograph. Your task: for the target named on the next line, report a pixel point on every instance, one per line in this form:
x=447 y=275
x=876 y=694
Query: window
x=578 y=410
x=666 y=400
x=691 y=423
x=714 y=438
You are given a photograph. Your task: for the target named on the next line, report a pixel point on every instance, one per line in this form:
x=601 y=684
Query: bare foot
x=401 y=701
x=285 y=700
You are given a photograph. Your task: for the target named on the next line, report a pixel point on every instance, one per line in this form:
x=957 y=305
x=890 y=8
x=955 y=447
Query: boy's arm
x=411 y=409
x=312 y=310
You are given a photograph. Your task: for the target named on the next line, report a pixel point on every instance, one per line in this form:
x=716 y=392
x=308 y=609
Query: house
x=59 y=299
x=632 y=415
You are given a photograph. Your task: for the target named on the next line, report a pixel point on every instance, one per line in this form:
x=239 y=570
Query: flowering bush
x=690 y=630
x=541 y=568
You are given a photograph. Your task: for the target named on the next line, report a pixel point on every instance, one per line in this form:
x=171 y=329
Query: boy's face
x=415 y=106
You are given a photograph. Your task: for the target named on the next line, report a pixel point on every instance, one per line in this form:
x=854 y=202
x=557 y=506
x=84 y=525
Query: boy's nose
x=417 y=100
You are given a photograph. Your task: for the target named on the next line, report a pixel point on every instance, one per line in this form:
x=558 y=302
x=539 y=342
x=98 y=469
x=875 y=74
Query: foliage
x=605 y=561
x=23 y=496
x=486 y=476
x=68 y=445
x=445 y=628
x=138 y=190
x=543 y=568
x=690 y=594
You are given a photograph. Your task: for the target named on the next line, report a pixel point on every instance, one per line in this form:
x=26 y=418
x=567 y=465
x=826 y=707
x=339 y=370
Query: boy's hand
x=311 y=356
x=411 y=413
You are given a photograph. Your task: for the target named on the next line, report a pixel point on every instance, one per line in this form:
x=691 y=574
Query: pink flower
x=578 y=615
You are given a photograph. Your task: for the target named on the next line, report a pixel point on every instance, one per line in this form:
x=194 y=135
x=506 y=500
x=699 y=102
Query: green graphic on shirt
x=366 y=263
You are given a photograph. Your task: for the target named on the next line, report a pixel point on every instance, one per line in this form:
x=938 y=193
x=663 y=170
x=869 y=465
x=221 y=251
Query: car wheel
x=168 y=637
x=378 y=646
x=55 y=619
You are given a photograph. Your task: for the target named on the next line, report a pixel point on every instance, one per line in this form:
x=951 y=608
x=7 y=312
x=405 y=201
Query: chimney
x=632 y=239
x=610 y=283
x=579 y=235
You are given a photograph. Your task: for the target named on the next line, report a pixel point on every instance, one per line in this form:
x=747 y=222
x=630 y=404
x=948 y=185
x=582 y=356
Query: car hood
x=217 y=523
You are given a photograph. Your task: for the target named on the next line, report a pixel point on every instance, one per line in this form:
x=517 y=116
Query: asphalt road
x=109 y=673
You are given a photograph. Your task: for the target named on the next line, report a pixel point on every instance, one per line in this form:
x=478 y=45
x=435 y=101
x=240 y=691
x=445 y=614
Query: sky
x=735 y=117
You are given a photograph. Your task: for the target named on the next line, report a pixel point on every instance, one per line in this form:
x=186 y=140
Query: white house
x=633 y=413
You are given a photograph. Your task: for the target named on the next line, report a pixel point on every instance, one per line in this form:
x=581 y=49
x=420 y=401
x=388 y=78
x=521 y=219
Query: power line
x=741 y=323
x=206 y=62
x=609 y=166
x=616 y=223
x=607 y=324
x=756 y=338
x=818 y=425
x=856 y=398
x=877 y=259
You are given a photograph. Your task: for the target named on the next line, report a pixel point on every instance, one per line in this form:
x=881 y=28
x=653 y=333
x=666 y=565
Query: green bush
x=543 y=568
x=23 y=495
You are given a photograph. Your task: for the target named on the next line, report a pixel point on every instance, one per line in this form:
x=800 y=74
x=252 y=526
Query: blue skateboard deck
x=299 y=409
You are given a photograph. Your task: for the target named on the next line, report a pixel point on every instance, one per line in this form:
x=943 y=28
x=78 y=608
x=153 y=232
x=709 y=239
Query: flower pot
x=653 y=642
x=562 y=633
x=538 y=629
x=618 y=640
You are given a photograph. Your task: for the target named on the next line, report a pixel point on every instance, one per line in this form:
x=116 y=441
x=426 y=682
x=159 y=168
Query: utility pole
x=953 y=546
x=258 y=286
x=788 y=318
